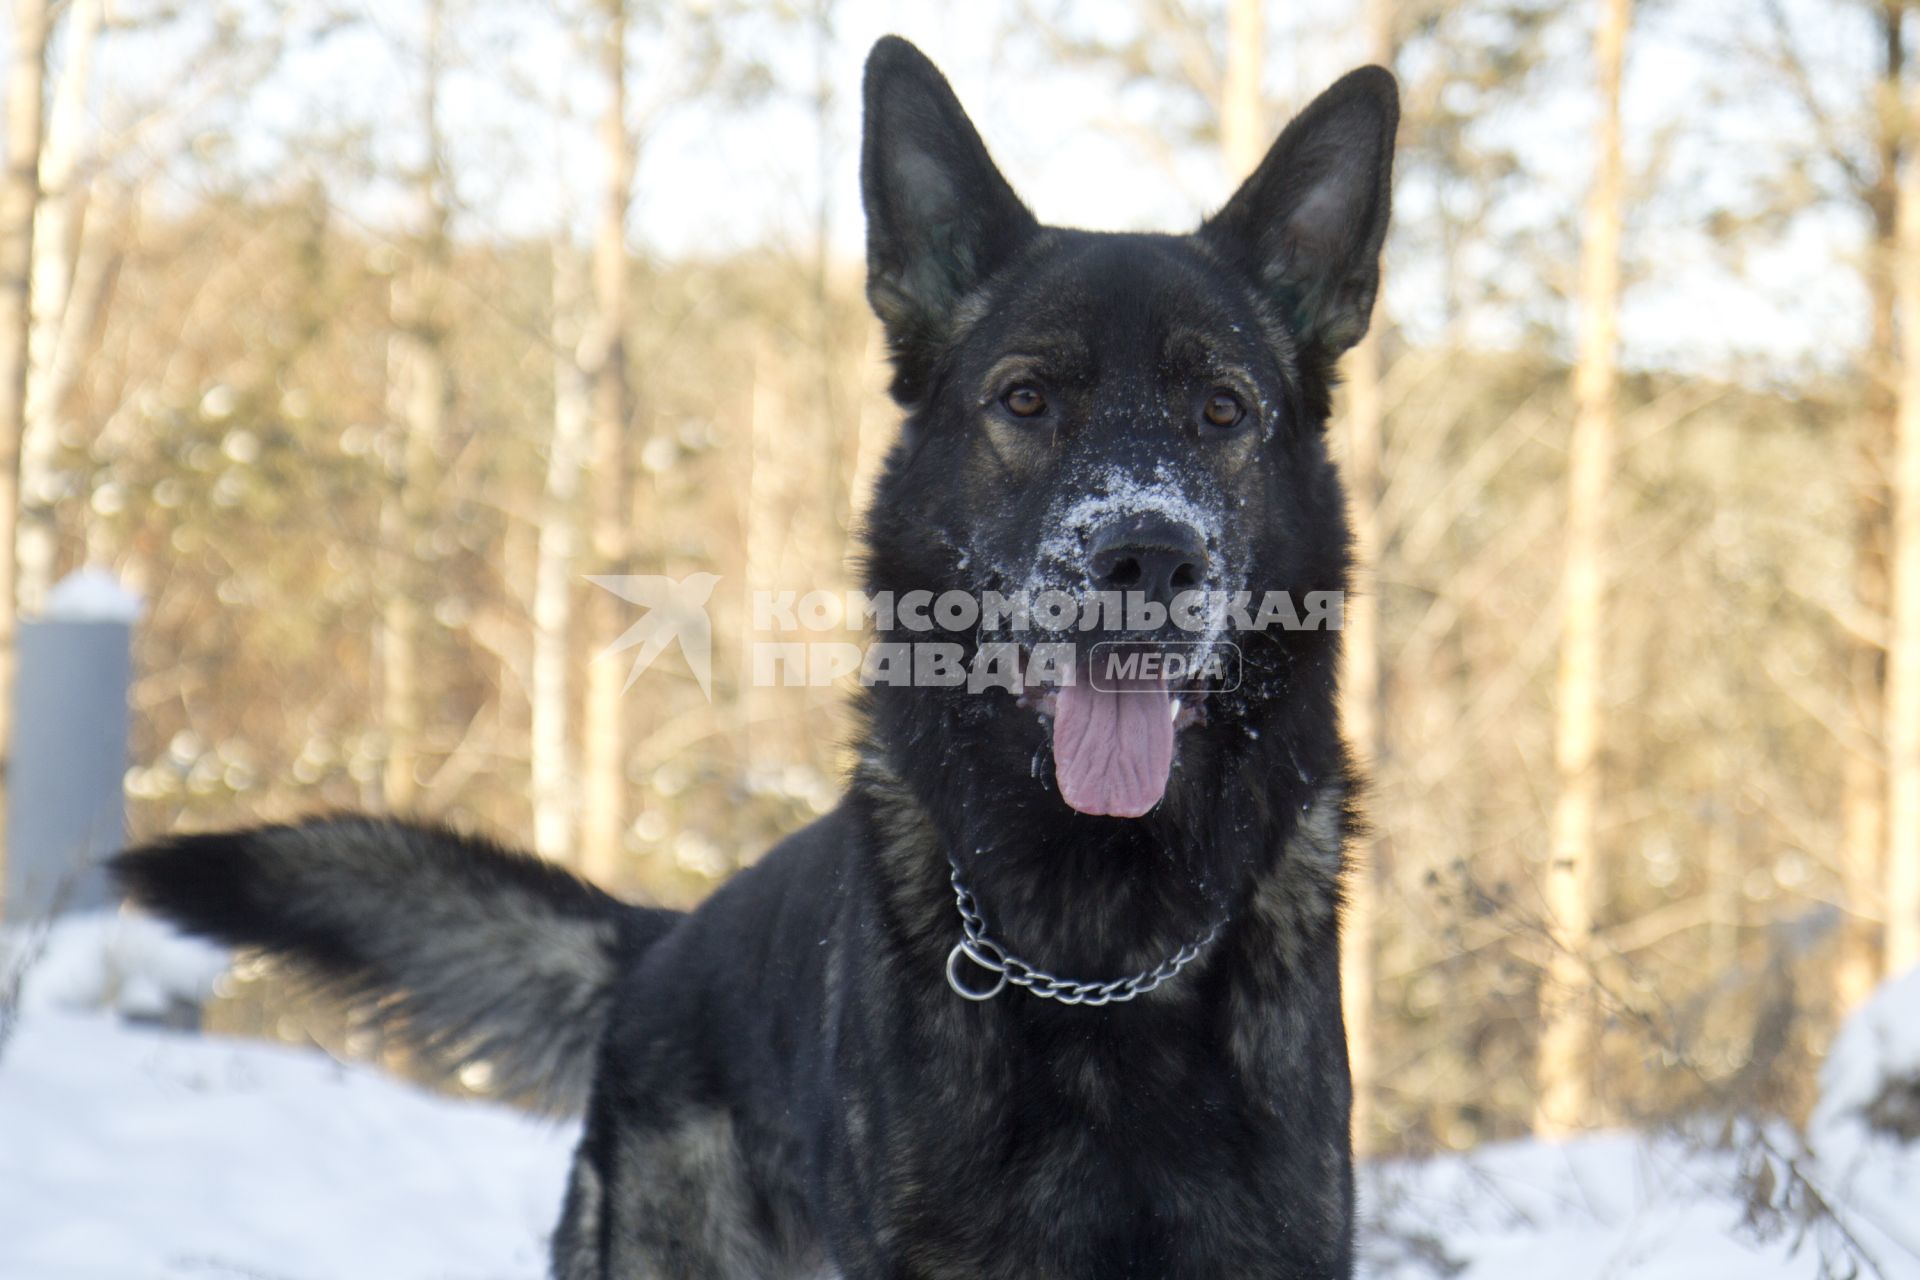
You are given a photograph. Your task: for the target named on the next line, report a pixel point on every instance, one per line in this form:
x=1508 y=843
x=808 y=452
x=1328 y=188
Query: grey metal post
x=70 y=747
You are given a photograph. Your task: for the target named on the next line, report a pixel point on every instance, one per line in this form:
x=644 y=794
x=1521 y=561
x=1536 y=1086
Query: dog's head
x=1130 y=423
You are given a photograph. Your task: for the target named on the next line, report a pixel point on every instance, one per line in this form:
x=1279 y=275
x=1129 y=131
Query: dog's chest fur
x=1180 y=1134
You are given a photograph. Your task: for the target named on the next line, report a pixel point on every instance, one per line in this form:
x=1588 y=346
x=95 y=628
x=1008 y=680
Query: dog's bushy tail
x=463 y=950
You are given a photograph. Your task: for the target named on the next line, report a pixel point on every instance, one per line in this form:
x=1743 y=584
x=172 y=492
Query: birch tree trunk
x=781 y=522
x=19 y=201
x=603 y=821
x=1864 y=782
x=1902 y=856
x=55 y=258
x=1360 y=647
x=57 y=219
x=1243 y=116
x=555 y=796
x=419 y=386
x=1572 y=877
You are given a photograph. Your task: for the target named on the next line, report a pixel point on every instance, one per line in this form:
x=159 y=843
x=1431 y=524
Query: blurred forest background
x=354 y=335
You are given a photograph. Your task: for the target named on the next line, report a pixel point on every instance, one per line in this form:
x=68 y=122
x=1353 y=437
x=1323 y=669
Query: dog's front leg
x=671 y=1201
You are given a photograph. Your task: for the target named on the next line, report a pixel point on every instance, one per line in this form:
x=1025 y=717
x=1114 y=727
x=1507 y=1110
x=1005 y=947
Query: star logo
x=676 y=611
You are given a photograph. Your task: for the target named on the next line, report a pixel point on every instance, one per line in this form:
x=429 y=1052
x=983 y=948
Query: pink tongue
x=1113 y=747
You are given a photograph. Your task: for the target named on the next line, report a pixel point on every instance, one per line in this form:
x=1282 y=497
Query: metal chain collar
x=1007 y=967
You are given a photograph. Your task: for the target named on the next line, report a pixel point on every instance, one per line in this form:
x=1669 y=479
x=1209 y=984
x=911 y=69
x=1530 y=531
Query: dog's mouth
x=1113 y=737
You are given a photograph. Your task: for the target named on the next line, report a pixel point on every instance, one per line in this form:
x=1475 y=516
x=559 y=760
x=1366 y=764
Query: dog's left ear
x=940 y=218
x=1308 y=224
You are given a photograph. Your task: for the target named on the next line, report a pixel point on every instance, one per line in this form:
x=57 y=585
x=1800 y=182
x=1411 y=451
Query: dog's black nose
x=1155 y=555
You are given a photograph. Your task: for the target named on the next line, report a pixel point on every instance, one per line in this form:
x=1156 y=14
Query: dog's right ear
x=940 y=218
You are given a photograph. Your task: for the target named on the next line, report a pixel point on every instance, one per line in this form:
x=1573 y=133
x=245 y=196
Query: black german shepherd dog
x=1055 y=992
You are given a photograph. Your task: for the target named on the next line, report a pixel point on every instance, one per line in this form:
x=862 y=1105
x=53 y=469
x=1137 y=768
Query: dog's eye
x=1223 y=409
x=1024 y=402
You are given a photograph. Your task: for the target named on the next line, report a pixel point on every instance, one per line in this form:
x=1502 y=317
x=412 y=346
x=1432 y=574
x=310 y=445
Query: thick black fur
x=466 y=951
x=784 y=1086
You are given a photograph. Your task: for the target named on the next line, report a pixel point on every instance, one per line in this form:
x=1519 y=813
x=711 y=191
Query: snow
x=1666 y=1208
x=1602 y=1206
x=1112 y=493
x=128 y=1153
x=1059 y=564
x=91 y=595
x=110 y=960
x=132 y=1154
x=1876 y=1173
x=1881 y=1041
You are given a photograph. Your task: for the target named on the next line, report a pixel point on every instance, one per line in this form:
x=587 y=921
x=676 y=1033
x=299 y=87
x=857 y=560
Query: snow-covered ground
x=128 y=1153
x=134 y=1154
